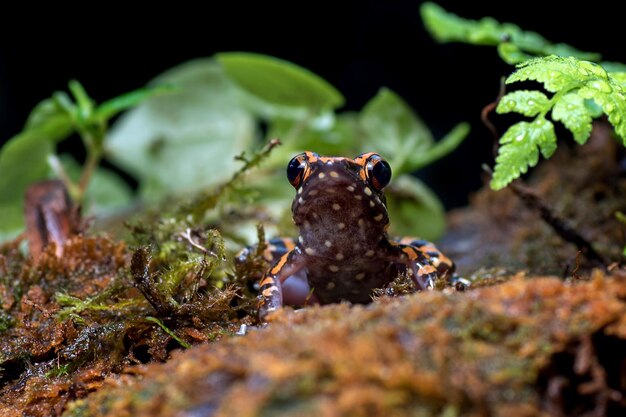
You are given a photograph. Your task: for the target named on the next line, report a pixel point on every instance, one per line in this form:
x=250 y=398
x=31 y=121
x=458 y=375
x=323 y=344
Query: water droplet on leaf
x=600 y=85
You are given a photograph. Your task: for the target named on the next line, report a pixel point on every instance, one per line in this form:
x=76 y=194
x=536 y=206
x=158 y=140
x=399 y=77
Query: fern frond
x=520 y=149
x=582 y=91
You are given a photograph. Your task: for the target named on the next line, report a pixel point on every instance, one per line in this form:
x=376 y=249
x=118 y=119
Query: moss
x=424 y=354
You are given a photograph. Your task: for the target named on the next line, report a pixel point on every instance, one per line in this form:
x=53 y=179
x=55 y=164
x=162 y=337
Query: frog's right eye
x=295 y=169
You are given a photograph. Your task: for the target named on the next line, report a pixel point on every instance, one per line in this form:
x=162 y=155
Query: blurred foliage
x=192 y=140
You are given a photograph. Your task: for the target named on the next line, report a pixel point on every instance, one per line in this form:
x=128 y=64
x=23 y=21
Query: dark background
x=357 y=46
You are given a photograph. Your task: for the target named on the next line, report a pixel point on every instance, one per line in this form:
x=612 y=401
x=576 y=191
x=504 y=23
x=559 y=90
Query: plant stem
x=94 y=155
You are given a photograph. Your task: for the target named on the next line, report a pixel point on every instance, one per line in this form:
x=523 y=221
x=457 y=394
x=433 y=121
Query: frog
x=343 y=252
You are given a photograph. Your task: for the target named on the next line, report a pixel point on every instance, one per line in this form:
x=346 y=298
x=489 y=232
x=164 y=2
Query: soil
x=119 y=329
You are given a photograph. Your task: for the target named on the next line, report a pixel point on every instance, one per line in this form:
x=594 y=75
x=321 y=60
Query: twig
x=558 y=224
x=484 y=116
x=187 y=236
x=534 y=202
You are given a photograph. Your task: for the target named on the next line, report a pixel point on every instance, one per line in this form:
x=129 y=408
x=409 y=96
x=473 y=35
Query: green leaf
x=106 y=193
x=527 y=102
x=111 y=108
x=186 y=140
x=414 y=209
x=514 y=44
x=572 y=111
x=279 y=82
x=11 y=221
x=392 y=128
x=441 y=148
x=512 y=54
x=83 y=101
x=50 y=120
x=23 y=160
x=520 y=149
x=554 y=72
x=327 y=135
x=610 y=95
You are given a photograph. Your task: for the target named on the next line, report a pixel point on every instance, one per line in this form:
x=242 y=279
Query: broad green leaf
x=391 y=128
x=279 y=82
x=414 y=210
x=527 y=102
x=186 y=140
x=23 y=160
x=520 y=146
x=50 y=120
x=106 y=193
x=11 y=221
x=448 y=27
x=331 y=135
x=112 y=107
x=571 y=110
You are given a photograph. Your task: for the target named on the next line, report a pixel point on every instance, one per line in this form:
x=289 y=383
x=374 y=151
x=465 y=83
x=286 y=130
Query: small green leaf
x=84 y=102
x=414 y=210
x=511 y=53
x=112 y=107
x=571 y=110
x=186 y=140
x=520 y=149
x=391 y=128
x=279 y=82
x=527 y=102
x=50 y=120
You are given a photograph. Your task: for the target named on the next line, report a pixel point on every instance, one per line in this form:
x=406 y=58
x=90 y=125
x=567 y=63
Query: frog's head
x=339 y=197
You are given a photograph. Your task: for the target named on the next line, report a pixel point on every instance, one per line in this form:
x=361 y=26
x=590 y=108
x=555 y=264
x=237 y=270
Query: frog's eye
x=295 y=169
x=378 y=172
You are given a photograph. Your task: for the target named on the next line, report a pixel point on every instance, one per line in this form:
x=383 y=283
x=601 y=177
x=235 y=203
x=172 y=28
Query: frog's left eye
x=295 y=169
x=378 y=172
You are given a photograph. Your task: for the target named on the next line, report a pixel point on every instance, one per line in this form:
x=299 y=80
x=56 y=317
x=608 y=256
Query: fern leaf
x=527 y=102
x=514 y=44
x=555 y=73
x=572 y=111
x=520 y=148
x=610 y=95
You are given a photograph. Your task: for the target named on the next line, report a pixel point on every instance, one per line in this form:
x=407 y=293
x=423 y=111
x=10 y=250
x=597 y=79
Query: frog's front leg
x=425 y=264
x=271 y=287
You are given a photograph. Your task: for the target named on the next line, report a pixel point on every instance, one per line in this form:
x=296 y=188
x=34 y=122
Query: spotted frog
x=343 y=252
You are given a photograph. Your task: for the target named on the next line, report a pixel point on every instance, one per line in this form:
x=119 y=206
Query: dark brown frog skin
x=343 y=251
